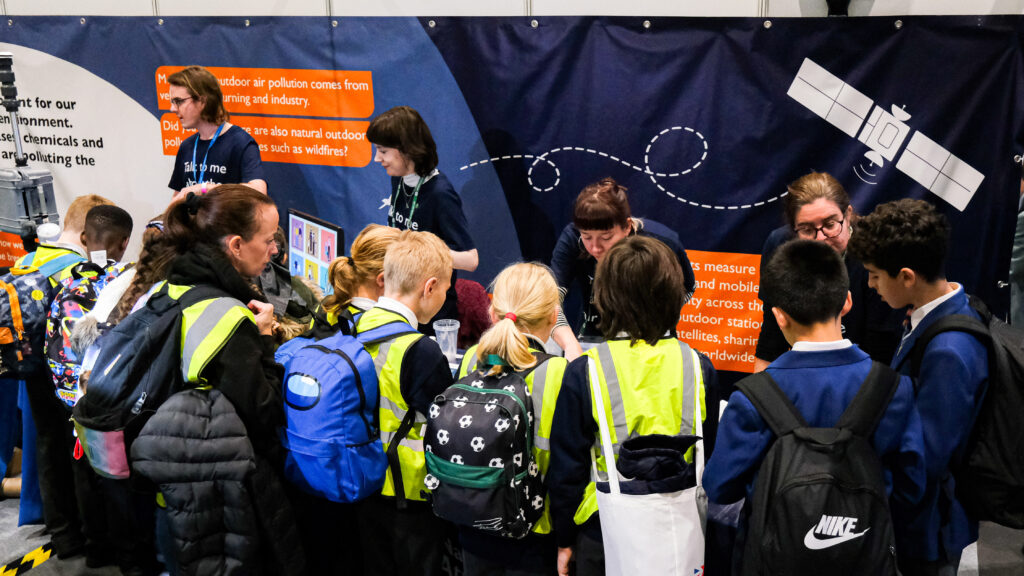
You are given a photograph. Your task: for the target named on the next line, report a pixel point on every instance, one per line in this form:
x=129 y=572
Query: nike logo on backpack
x=840 y=528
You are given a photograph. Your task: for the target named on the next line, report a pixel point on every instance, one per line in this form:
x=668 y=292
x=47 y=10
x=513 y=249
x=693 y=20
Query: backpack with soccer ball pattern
x=479 y=451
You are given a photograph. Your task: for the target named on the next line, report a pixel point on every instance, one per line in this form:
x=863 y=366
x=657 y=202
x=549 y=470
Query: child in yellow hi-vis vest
x=399 y=533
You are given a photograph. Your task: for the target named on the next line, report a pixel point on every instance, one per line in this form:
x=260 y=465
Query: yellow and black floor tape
x=27 y=562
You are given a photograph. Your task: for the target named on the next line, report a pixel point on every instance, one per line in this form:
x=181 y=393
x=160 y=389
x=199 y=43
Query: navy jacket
x=821 y=385
x=870 y=324
x=954 y=371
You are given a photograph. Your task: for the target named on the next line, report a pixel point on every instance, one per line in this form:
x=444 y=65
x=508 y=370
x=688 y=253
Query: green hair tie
x=495 y=360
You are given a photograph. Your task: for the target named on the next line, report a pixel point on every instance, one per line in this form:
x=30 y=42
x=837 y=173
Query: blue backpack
x=332 y=404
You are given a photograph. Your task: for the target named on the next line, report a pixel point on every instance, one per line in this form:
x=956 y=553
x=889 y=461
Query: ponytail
x=348 y=273
x=505 y=341
x=342 y=273
x=227 y=210
x=525 y=295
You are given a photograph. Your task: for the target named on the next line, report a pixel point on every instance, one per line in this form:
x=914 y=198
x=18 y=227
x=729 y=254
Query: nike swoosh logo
x=813 y=543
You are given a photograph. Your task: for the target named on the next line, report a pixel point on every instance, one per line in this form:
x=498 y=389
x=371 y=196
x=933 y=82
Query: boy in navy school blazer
x=903 y=247
x=821 y=374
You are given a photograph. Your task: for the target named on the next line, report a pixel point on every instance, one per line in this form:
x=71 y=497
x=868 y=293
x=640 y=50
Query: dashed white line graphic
x=645 y=168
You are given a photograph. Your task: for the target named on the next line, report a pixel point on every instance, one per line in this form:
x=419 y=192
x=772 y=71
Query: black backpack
x=819 y=504
x=479 y=454
x=137 y=367
x=990 y=472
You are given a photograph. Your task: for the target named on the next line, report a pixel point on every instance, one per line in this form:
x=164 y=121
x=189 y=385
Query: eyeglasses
x=177 y=102
x=830 y=229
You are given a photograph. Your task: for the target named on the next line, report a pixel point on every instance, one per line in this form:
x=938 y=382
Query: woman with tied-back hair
x=601 y=219
x=224 y=425
x=524 y=310
x=818 y=208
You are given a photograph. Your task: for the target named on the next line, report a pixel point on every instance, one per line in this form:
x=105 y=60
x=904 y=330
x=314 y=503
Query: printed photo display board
x=312 y=245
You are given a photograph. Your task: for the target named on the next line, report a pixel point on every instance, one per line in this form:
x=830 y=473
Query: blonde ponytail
x=525 y=295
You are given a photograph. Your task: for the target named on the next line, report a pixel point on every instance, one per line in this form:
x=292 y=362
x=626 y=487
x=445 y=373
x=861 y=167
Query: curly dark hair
x=904 y=233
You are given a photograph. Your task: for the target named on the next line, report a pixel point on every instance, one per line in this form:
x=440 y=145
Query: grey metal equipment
x=26 y=194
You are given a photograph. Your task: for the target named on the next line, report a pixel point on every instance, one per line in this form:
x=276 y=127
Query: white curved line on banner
x=646 y=168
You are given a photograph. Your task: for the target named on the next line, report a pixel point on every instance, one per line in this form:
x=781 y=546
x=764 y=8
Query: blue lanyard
x=195 y=146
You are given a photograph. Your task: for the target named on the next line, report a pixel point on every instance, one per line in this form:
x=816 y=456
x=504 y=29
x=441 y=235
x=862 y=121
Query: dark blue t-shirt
x=234 y=159
x=438 y=211
x=571 y=263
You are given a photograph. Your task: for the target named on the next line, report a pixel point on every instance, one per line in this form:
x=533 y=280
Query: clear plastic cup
x=446 y=331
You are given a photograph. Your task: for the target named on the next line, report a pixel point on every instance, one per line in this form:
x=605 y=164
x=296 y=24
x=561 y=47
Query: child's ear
x=380 y=281
x=907 y=277
x=430 y=286
x=780 y=317
x=124 y=243
x=81 y=238
x=847 y=305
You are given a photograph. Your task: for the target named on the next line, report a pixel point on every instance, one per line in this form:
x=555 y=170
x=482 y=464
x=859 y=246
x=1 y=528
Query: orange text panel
x=723 y=318
x=286 y=92
x=291 y=140
x=10 y=249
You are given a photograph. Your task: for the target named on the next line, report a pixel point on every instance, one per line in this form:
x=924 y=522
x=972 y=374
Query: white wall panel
x=429 y=7
x=242 y=7
x=79 y=8
x=646 y=7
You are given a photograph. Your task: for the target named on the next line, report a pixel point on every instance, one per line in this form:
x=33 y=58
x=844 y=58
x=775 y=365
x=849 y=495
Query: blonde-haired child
x=358 y=280
x=524 y=310
x=398 y=530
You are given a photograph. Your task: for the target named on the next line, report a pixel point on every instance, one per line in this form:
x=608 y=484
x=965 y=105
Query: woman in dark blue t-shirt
x=601 y=218
x=422 y=198
x=219 y=152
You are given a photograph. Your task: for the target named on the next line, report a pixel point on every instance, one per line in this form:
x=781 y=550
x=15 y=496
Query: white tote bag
x=656 y=534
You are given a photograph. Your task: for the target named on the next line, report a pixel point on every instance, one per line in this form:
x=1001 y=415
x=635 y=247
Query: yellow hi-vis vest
x=206 y=326
x=646 y=390
x=387 y=360
x=543 y=383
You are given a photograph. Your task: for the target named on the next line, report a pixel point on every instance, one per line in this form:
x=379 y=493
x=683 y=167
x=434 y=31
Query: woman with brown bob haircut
x=601 y=218
x=652 y=383
x=421 y=197
x=218 y=153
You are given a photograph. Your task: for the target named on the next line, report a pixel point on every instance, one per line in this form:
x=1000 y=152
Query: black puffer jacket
x=227 y=511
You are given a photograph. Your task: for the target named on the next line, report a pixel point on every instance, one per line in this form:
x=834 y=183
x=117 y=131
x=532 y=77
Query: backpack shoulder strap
x=771 y=403
x=202 y=292
x=50 y=267
x=872 y=400
x=385 y=332
x=952 y=323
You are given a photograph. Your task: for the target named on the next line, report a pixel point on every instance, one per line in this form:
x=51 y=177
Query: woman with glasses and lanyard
x=218 y=153
x=818 y=208
x=422 y=198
